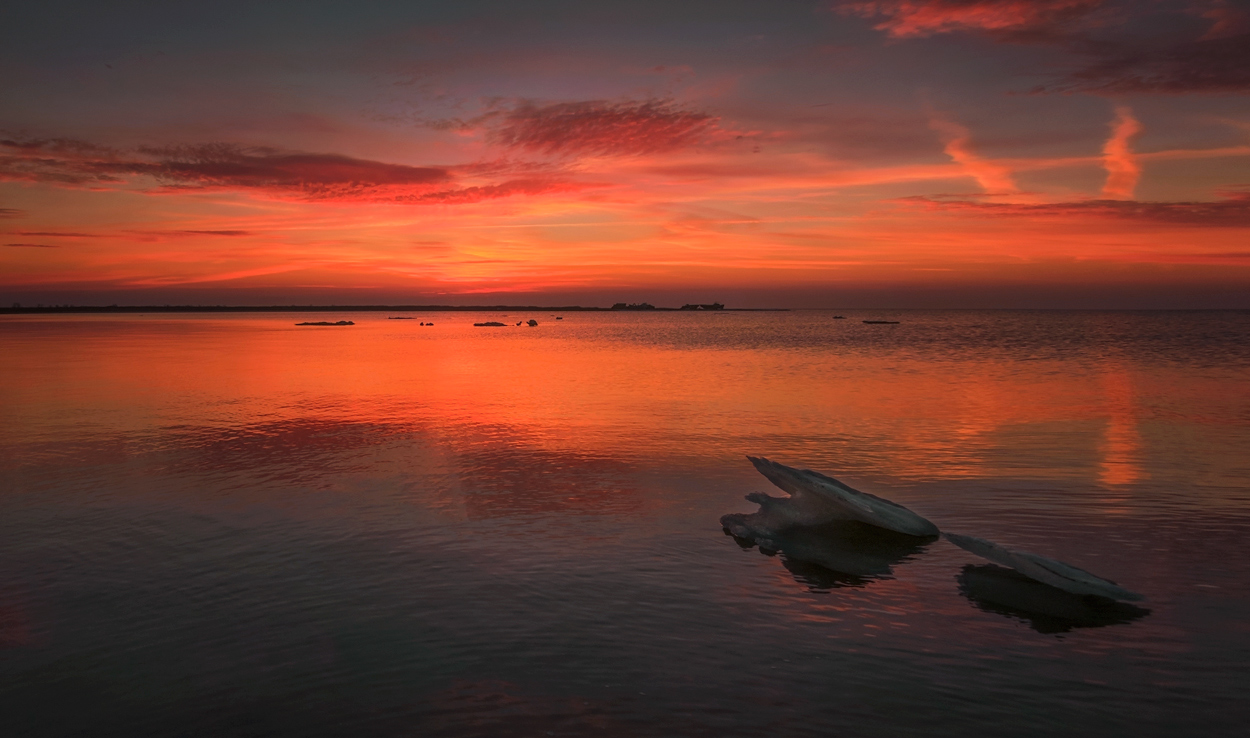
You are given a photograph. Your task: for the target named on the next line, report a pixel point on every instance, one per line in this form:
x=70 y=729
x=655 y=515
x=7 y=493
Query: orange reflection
x=1121 y=446
x=595 y=394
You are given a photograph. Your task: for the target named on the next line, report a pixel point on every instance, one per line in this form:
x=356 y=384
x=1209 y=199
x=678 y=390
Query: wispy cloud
x=12 y=213
x=1016 y=19
x=957 y=140
x=1123 y=168
x=31 y=246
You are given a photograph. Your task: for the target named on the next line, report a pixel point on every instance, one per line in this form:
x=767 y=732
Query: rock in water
x=1046 y=609
x=843 y=546
x=817 y=499
x=1045 y=570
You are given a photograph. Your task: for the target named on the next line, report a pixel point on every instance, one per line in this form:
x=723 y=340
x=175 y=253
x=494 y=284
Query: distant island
x=18 y=309
x=649 y=306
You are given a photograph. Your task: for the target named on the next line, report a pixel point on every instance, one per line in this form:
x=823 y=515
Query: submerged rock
x=532 y=322
x=1045 y=570
x=489 y=324
x=844 y=547
x=1045 y=608
x=816 y=499
x=326 y=322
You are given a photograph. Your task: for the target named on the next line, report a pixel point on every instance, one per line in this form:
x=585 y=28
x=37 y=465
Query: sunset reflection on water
x=394 y=515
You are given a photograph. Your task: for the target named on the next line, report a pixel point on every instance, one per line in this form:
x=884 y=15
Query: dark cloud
x=31 y=246
x=1169 y=54
x=1231 y=212
x=315 y=175
x=208 y=166
x=214 y=233
x=59 y=234
x=611 y=129
x=12 y=213
x=331 y=177
x=1203 y=65
x=61 y=161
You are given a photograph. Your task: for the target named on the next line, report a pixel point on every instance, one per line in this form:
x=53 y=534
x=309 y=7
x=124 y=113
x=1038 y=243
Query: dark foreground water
x=230 y=526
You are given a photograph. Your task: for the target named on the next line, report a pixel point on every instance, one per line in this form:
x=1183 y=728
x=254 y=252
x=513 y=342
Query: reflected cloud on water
x=1043 y=608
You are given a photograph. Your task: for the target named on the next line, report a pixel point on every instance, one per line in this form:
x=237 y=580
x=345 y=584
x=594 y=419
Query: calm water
x=230 y=526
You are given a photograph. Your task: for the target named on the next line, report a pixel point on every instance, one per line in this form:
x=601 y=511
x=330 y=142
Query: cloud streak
x=305 y=176
x=1123 y=168
x=603 y=129
x=1231 y=212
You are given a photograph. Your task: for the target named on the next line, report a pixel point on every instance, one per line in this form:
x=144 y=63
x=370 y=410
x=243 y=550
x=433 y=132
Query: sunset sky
x=907 y=153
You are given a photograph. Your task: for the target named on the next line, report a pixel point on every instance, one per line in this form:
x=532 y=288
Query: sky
x=835 y=154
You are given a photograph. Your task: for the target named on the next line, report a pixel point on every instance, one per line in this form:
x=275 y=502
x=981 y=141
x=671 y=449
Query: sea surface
x=228 y=525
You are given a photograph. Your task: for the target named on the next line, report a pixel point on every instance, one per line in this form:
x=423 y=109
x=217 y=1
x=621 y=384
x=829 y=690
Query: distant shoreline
x=353 y=308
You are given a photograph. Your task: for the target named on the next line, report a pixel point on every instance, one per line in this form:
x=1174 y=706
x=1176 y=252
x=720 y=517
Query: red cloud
x=602 y=128
x=913 y=18
x=1231 y=212
x=31 y=246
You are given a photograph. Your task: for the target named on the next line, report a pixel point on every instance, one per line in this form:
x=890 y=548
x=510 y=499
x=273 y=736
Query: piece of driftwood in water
x=326 y=322
x=818 y=499
x=1045 y=570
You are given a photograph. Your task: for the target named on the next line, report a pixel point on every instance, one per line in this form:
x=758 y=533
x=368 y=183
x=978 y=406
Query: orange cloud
x=993 y=177
x=1122 y=166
